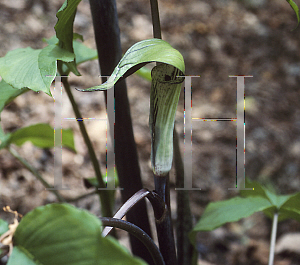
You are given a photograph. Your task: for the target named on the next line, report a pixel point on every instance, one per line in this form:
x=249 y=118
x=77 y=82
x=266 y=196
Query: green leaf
x=34 y=69
x=61 y=234
x=64 y=26
x=289 y=213
x=2 y=134
x=4 y=138
x=277 y=200
x=64 y=29
x=82 y=52
x=21 y=256
x=146 y=51
x=259 y=190
x=296 y=9
x=293 y=202
x=144 y=73
x=77 y=36
x=261 y=199
x=217 y=214
x=3 y=226
x=9 y=93
x=291 y=208
x=270 y=212
x=41 y=135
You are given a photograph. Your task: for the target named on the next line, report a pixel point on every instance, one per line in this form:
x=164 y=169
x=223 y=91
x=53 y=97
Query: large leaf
x=64 y=28
x=41 y=135
x=217 y=214
x=259 y=199
x=8 y=93
x=34 y=69
x=146 y=51
x=61 y=234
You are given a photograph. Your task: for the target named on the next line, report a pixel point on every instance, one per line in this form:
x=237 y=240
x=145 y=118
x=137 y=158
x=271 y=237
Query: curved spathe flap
x=141 y=53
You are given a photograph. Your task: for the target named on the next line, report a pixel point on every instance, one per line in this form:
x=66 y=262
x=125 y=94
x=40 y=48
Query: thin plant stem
x=155 y=19
x=164 y=225
x=273 y=239
x=139 y=234
x=184 y=222
x=35 y=173
x=103 y=194
x=162 y=188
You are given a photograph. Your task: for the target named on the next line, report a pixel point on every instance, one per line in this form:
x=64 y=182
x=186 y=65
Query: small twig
x=36 y=174
x=138 y=233
x=273 y=239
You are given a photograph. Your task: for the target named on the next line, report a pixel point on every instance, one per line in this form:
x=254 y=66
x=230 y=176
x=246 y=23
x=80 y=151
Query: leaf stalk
x=273 y=239
x=139 y=234
x=106 y=208
x=36 y=174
